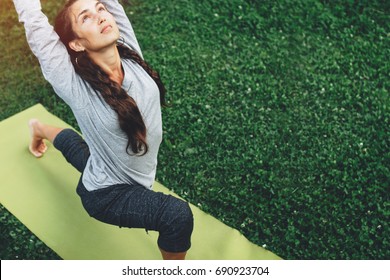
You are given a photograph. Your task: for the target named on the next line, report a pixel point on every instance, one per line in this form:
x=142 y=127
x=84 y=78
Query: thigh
x=125 y=205
x=133 y=206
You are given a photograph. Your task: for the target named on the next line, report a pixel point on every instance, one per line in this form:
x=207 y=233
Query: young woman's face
x=94 y=26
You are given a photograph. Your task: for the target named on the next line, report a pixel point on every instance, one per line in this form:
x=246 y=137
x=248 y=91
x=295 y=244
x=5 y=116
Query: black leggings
x=132 y=206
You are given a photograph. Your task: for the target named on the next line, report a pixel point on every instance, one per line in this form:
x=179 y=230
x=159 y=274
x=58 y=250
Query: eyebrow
x=86 y=10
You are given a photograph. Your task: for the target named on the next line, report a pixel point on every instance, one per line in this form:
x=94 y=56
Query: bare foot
x=37 y=145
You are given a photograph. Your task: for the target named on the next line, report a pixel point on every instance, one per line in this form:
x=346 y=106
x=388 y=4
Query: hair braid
x=133 y=55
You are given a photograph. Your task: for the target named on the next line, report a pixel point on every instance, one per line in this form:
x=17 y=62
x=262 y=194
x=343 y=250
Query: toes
x=38 y=154
x=35 y=152
x=42 y=148
x=38 y=149
x=37 y=145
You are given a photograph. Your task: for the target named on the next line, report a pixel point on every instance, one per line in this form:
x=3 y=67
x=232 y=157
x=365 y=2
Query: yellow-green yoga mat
x=41 y=194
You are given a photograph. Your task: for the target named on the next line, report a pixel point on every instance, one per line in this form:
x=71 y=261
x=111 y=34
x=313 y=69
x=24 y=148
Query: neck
x=109 y=60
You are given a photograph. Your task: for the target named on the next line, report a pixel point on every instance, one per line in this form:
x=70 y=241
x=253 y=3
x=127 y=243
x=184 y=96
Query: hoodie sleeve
x=47 y=47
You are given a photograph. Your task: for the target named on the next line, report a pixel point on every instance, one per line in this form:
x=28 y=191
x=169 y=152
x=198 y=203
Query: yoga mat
x=41 y=194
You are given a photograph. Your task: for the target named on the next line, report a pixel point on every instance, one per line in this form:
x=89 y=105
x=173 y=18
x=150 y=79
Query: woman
x=116 y=98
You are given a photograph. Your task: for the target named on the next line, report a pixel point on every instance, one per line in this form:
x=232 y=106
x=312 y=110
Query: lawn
x=279 y=124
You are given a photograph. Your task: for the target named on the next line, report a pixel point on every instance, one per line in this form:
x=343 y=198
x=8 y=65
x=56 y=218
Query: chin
x=109 y=41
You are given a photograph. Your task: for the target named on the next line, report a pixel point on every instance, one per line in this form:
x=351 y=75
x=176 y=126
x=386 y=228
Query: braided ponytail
x=134 y=56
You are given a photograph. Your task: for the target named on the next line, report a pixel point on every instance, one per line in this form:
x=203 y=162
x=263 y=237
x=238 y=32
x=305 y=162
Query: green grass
x=279 y=125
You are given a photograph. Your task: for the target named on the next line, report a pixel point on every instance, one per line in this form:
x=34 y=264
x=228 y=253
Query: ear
x=76 y=46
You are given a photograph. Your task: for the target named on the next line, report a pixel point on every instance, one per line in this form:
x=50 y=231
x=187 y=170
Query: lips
x=106 y=28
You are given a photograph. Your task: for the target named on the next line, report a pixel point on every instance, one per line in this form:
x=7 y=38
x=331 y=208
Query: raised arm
x=123 y=22
x=47 y=47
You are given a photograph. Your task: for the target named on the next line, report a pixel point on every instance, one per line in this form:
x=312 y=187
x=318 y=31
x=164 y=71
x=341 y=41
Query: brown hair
x=129 y=116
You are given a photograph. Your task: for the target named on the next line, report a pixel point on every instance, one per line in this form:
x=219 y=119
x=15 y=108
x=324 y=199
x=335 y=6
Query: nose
x=101 y=19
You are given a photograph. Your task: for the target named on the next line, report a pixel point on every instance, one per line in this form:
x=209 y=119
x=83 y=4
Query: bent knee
x=175 y=235
x=177 y=218
x=184 y=216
